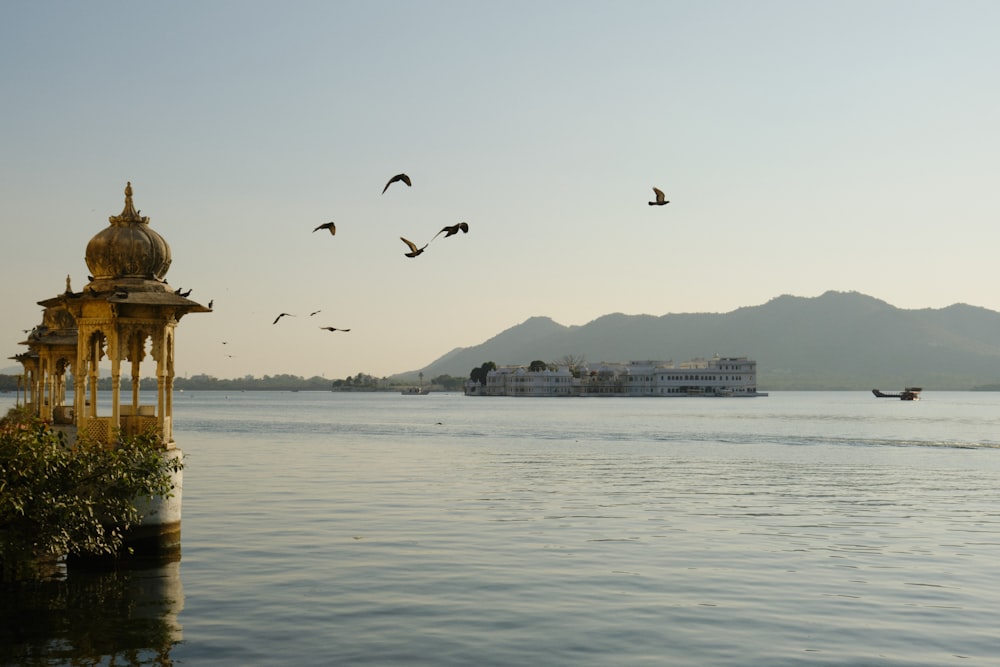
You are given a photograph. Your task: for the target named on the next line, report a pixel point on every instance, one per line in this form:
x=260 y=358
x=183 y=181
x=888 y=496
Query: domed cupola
x=129 y=248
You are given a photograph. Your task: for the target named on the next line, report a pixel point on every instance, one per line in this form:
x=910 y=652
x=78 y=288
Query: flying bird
x=397 y=177
x=453 y=229
x=314 y=312
x=327 y=225
x=333 y=329
x=280 y=316
x=414 y=250
x=661 y=199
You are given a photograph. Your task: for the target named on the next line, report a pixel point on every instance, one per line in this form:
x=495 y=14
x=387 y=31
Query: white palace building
x=718 y=376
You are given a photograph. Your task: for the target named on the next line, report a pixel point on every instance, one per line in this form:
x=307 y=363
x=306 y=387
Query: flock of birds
x=413 y=249
x=449 y=230
x=310 y=315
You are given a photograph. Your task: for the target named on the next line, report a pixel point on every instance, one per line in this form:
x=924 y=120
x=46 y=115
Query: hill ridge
x=837 y=340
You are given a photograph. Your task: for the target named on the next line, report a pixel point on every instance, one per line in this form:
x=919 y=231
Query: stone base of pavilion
x=156 y=540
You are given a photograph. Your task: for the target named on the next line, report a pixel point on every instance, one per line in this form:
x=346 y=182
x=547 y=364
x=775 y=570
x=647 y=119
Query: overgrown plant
x=57 y=499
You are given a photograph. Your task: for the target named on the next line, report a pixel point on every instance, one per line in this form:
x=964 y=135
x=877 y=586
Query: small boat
x=415 y=391
x=908 y=394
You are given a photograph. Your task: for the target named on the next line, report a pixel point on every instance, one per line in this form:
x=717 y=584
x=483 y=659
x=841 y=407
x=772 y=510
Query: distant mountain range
x=839 y=340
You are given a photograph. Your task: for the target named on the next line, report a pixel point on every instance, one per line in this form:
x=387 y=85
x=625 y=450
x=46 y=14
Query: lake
x=321 y=528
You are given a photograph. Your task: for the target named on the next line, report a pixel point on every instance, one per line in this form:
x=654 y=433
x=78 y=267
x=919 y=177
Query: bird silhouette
x=333 y=329
x=397 y=177
x=453 y=229
x=315 y=312
x=210 y=302
x=280 y=316
x=327 y=225
x=414 y=250
x=661 y=199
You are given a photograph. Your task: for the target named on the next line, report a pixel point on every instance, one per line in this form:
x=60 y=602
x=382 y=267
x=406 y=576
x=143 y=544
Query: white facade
x=718 y=376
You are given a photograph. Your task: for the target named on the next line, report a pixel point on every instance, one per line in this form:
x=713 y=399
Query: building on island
x=718 y=376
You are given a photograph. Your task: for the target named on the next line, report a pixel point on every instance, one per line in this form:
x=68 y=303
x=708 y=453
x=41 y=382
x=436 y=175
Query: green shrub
x=57 y=499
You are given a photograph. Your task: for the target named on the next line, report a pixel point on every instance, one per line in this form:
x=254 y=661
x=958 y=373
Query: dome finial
x=128 y=214
x=128 y=248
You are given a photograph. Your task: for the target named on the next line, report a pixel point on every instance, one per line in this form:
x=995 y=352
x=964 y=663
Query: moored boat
x=908 y=394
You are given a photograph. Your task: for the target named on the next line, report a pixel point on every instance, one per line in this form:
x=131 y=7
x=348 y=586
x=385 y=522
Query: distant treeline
x=359 y=382
x=249 y=382
x=9 y=382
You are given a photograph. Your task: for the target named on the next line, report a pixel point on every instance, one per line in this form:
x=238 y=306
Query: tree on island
x=573 y=362
x=479 y=374
x=448 y=382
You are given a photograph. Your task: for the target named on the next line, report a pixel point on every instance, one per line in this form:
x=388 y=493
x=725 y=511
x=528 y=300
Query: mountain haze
x=839 y=340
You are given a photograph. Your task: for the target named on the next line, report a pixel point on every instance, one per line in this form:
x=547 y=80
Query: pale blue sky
x=805 y=147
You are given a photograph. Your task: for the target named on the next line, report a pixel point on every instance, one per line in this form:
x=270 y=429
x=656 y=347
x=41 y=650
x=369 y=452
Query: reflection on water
x=127 y=617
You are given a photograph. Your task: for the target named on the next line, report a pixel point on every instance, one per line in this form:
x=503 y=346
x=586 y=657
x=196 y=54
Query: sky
x=804 y=147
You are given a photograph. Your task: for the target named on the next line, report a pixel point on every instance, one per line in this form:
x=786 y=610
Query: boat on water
x=908 y=394
x=415 y=391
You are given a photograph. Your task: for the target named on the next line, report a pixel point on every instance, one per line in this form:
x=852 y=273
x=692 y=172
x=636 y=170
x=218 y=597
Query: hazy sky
x=805 y=146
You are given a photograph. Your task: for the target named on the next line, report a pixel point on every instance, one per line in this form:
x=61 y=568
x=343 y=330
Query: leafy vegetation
x=58 y=499
x=449 y=382
x=282 y=382
x=479 y=374
x=10 y=382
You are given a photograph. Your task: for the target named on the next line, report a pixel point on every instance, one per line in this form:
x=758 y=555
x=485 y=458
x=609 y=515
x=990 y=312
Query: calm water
x=806 y=528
